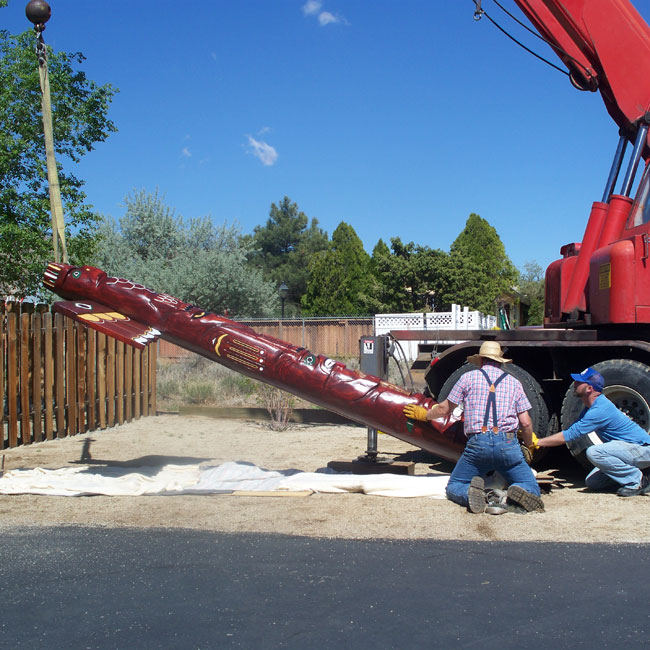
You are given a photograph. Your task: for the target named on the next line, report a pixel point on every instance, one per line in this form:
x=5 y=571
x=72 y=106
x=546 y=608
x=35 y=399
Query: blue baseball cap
x=591 y=377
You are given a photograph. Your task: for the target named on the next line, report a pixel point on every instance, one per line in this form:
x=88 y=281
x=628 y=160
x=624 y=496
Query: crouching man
x=621 y=463
x=495 y=408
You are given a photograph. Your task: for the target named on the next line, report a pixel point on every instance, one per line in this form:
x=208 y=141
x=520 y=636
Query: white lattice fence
x=458 y=318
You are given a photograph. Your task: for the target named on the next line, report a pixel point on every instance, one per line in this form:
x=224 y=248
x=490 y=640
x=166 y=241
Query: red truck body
x=597 y=295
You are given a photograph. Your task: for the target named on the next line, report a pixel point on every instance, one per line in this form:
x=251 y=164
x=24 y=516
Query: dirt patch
x=572 y=515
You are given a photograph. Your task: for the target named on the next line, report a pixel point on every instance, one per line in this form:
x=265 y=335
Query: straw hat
x=489 y=350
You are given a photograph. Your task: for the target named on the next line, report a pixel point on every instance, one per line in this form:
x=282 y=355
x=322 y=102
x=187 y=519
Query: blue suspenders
x=491 y=403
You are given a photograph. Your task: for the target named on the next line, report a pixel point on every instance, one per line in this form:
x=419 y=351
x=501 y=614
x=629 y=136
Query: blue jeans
x=617 y=464
x=485 y=452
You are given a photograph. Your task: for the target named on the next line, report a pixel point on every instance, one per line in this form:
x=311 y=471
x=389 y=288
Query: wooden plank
x=3 y=347
x=82 y=405
x=144 y=380
x=12 y=377
x=71 y=378
x=91 y=378
x=25 y=383
x=37 y=376
x=119 y=388
x=153 y=367
x=101 y=378
x=59 y=373
x=48 y=381
x=110 y=381
x=137 y=387
x=128 y=382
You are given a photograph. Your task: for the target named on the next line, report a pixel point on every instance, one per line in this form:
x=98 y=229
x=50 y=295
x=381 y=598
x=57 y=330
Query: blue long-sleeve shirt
x=608 y=422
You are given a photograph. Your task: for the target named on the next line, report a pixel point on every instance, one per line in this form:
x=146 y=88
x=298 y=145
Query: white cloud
x=264 y=152
x=186 y=152
x=325 y=18
x=311 y=7
x=263 y=130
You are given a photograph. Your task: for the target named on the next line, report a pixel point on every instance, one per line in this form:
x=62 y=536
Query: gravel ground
x=572 y=515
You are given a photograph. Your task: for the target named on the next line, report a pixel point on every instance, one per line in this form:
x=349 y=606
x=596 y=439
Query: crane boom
x=605 y=45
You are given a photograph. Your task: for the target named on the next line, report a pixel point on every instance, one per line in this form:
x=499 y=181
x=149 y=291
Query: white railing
x=459 y=318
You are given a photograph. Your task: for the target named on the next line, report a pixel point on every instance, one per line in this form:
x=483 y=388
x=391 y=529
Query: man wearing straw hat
x=495 y=407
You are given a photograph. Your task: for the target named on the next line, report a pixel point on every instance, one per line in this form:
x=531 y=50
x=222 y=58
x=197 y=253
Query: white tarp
x=199 y=479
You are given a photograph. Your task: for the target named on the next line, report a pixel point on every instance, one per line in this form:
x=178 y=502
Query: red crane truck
x=597 y=295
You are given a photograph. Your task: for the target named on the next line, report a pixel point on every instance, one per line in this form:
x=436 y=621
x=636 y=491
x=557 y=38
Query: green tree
x=407 y=277
x=193 y=260
x=284 y=247
x=340 y=281
x=80 y=109
x=478 y=269
x=531 y=285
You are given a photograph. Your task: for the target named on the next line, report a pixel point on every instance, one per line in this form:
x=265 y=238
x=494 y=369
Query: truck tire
x=627 y=385
x=538 y=412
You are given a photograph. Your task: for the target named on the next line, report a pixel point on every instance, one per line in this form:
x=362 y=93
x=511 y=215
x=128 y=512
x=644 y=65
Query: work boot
x=476 y=495
x=521 y=498
x=644 y=488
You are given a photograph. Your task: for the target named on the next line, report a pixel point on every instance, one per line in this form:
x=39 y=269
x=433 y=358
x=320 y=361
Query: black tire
x=627 y=385
x=538 y=412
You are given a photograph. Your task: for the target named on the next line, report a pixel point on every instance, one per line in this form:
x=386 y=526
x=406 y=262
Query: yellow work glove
x=415 y=412
x=534 y=444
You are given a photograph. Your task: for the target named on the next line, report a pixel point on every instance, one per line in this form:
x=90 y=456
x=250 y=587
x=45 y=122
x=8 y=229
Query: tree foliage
x=193 y=260
x=406 y=278
x=284 y=247
x=80 y=109
x=340 y=281
x=477 y=270
x=531 y=285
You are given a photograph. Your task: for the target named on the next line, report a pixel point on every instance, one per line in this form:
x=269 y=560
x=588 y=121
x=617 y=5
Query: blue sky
x=400 y=118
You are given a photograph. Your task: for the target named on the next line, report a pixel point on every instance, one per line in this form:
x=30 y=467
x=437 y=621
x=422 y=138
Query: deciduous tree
x=193 y=260
x=80 y=120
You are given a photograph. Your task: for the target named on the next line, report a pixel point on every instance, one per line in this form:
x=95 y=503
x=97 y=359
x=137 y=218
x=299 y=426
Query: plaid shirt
x=472 y=390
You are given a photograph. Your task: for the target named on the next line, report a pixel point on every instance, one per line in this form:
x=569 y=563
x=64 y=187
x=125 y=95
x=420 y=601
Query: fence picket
x=128 y=382
x=37 y=377
x=110 y=381
x=82 y=409
x=70 y=378
x=91 y=379
x=48 y=382
x=59 y=374
x=137 y=364
x=119 y=356
x=12 y=378
x=3 y=419
x=25 y=421
x=101 y=378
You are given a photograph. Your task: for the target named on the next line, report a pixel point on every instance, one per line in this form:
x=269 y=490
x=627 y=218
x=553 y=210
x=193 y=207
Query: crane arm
x=605 y=44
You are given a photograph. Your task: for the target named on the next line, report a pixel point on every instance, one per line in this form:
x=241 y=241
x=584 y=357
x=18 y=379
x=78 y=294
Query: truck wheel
x=539 y=410
x=627 y=385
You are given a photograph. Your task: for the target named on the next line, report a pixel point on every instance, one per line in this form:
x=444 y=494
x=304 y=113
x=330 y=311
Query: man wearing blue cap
x=622 y=458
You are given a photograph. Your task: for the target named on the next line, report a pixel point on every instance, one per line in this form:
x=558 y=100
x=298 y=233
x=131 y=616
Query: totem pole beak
x=54 y=273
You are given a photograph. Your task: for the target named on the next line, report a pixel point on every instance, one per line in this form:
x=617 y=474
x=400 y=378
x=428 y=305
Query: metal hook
x=478 y=12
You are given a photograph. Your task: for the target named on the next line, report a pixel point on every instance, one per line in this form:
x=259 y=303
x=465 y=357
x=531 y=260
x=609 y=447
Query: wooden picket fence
x=58 y=378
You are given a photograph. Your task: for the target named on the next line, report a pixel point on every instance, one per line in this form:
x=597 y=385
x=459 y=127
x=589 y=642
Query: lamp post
x=283 y=292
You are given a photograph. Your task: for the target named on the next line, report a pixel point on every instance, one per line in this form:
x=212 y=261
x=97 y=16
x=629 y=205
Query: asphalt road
x=115 y=588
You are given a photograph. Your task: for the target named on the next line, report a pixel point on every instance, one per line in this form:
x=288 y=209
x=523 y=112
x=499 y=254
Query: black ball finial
x=38 y=12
